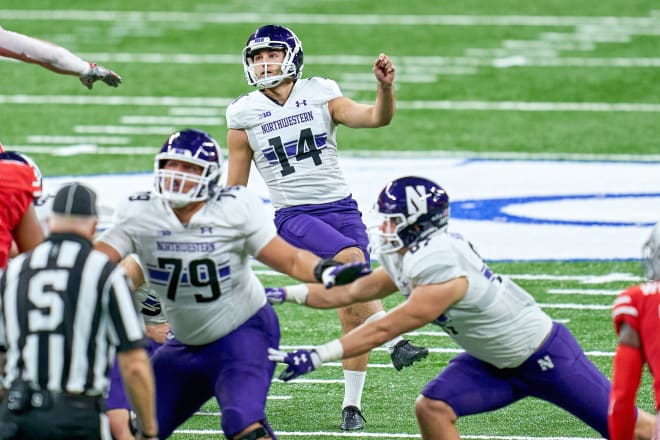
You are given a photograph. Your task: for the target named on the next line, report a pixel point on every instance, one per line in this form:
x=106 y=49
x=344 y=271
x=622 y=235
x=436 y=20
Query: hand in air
x=384 y=70
x=298 y=362
x=96 y=73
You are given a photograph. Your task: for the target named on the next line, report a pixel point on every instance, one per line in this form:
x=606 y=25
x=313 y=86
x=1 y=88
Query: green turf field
x=551 y=78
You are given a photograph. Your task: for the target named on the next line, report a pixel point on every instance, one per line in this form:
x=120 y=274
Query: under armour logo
x=545 y=363
x=206 y=230
x=303 y=103
x=302 y=359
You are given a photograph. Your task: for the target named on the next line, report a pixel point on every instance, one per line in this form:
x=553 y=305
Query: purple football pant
x=117 y=398
x=558 y=372
x=324 y=229
x=235 y=369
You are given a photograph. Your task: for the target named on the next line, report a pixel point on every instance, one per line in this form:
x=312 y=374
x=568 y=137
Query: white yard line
x=325 y=19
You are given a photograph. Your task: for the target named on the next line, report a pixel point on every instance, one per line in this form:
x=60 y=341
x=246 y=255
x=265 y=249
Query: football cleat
x=405 y=354
x=351 y=419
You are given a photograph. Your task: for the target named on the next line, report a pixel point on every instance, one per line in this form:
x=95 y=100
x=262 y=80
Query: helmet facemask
x=177 y=187
x=171 y=184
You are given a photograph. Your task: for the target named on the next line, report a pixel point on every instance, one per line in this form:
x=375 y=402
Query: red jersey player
x=636 y=315
x=18 y=221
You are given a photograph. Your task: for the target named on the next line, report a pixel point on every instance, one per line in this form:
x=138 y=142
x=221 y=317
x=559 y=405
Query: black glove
x=333 y=273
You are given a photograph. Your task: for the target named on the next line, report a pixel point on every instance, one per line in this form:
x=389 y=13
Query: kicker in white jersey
x=294 y=145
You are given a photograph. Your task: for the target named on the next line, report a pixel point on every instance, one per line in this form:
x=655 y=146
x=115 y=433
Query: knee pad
x=256 y=434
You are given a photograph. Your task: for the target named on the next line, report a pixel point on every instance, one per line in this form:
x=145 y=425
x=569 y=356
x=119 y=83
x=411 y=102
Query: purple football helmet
x=37 y=184
x=273 y=37
x=190 y=146
x=411 y=208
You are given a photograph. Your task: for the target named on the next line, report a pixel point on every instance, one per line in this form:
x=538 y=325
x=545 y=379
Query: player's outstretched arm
x=376 y=285
x=305 y=266
x=54 y=58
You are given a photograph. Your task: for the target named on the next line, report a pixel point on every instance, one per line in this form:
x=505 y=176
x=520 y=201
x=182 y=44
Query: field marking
x=523 y=106
x=439 y=350
x=326 y=19
x=410 y=154
x=260 y=269
x=359 y=435
x=407 y=65
x=596 y=292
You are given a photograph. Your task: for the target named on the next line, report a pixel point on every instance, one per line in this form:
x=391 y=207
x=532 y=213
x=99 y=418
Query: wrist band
x=297 y=293
x=331 y=351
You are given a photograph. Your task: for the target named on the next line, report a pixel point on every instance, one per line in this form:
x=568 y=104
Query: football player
x=636 y=321
x=287 y=127
x=19 y=226
x=55 y=58
x=513 y=349
x=195 y=240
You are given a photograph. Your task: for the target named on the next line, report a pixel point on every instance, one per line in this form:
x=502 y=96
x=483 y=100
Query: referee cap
x=75 y=199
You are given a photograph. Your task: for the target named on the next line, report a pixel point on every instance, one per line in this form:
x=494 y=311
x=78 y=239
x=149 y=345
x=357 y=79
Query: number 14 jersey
x=294 y=144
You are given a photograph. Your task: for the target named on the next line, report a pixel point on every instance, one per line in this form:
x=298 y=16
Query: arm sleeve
x=34 y=50
x=628 y=362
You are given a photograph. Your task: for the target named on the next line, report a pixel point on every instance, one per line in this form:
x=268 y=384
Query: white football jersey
x=200 y=271
x=497 y=321
x=294 y=145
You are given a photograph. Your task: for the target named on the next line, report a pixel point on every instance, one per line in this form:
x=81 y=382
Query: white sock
x=353 y=386
x=392 y=342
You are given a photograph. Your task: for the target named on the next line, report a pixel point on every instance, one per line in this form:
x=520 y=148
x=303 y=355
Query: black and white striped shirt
x=65 y=310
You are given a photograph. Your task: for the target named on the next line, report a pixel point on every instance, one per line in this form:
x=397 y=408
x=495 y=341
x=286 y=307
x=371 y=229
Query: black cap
x=75 y=199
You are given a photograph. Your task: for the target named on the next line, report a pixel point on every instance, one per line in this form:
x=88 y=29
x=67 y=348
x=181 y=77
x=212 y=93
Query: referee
x=65 y=309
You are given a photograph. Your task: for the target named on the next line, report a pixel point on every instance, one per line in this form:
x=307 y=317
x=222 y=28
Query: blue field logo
x=512 y=209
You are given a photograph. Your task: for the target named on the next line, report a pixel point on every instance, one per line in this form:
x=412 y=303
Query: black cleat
x=405 y=354
x=352 y=419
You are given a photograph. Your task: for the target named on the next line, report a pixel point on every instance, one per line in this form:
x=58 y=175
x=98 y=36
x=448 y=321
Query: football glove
x=333 y=273
x=275 y=295
x=298 y=362
x=97 y=72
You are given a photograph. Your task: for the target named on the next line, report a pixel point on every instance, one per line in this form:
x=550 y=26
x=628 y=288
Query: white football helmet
x=651 y=254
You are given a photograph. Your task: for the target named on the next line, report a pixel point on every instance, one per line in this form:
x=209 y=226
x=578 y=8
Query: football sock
x=353 y=386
